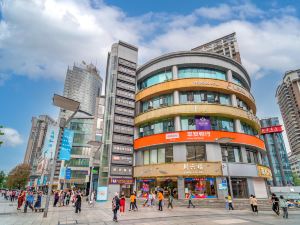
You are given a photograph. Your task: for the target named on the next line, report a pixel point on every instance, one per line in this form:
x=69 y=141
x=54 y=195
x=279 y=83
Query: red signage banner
x=273 y=129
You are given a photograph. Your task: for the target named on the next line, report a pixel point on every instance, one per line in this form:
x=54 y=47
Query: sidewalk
x=101 y=214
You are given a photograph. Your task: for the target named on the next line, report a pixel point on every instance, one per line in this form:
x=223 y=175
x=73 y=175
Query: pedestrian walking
x=68 y=197
x=275 y=204
x=135 y=205
x=132 y=200
x=160 y=200
x=230 y=206
x=254 y=204
x=251 y=202
x=190 y=200
x=78 y=202
x=122 y=203
x=29 y=202
x=61 y=198
x=170 y=200
x=284 y=206
x=56 y=198
x=13 y=195
x=150 y=199
x=21 y=199
x=38 y=202
x=115 y=206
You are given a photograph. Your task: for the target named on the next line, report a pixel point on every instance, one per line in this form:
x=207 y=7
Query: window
x=188 y=123
x=195 y=152
x=201 y=73
x=224 y=99
x=158 y=155
x=219 y=123
x=157 y=127
x=165 y=100
x=156 y=79
x=247 y=129
x=237 y=81
x=169 y=154
x=251 y=156
x=242 y=104
x=204 y=97
x=153 y=156
x=146 y=157
x=234 y=154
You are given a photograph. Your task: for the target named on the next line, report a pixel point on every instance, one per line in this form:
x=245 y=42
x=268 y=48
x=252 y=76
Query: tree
x=2 y=179
x=18 y=176
x=1 y=133
x=296 y=179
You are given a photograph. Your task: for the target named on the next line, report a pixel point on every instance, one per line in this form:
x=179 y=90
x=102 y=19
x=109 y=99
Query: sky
x=40 y=39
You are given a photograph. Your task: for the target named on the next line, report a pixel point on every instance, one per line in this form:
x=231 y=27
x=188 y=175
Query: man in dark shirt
x=275 y=204
x=115 y=206
x=78 y=202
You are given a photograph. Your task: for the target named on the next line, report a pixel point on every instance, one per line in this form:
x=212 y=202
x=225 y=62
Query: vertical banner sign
x=50 y=141
x=45 y=179
x=68 y=173
x=102 y=193
x=66 y=145
x=202 y=123
x=62 y=173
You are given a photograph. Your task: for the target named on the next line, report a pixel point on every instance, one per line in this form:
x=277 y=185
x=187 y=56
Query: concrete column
x=179 y=153
x=233 y=100
x=213 y=152
x=176 y=97
x=259 y=158
x=236 y=155
x=177 y=123
x=136 y=132
x=180 y=187
x=244 y=154
x=138 y=108
x=175 y=72
x=237 y=126
x=229 y=75
x=250 y=184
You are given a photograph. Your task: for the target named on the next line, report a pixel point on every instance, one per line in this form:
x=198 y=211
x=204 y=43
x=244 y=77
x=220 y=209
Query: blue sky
x=40 y=39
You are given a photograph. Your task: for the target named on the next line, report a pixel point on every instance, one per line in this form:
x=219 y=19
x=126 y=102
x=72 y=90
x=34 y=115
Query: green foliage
x=296 y=179
x=18 y=176
x=3 y=179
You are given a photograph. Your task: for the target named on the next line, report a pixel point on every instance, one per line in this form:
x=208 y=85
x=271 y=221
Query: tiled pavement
x=101 y=214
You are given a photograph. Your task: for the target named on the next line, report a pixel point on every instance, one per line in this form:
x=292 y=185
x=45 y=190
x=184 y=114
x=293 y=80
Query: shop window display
x=200 y=187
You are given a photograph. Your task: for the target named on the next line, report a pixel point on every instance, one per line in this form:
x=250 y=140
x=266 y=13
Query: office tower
x=276 y=152
x=83 y=84
x=116 y=159
x=288 y=99
x=226 y=45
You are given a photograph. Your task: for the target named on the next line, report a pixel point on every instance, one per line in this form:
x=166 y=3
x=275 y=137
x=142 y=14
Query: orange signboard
x=197 y=136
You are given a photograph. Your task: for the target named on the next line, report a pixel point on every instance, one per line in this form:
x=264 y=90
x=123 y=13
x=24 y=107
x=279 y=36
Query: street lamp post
x=225 y=141
x=96 y=144
x=66 y=104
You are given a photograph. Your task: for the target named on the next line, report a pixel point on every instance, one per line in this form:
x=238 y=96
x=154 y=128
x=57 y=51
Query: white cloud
x=11 y=137
x=41 y=38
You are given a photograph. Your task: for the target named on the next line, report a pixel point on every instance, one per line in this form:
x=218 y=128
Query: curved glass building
x=194 y=110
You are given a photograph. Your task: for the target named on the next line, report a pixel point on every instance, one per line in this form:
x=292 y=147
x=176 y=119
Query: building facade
x=226 y=45
x=83 y=84
x=276 y=152
x=116 y=158
x=187 y=105
x=288 y=99
x=295 y=163
x=34 y=154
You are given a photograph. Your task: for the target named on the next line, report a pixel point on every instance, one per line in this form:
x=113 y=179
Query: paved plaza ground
x=102 y=214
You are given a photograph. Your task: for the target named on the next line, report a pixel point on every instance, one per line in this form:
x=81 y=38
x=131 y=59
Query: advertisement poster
x=68 y=173
x=66 y=145
x=101 y=193
x=202 y=123
x=62 y=173
x=50 y=141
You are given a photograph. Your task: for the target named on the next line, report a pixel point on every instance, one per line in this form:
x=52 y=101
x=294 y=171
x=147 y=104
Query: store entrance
x=168 y=185
x=239 y=187
x=126 y=189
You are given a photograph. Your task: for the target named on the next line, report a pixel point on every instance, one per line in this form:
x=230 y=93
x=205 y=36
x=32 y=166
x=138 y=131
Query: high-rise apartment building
x=295 y=163
x=226 y=45
x=276 y=152
x=116 y=160
x=288 y=98
x=36 y=141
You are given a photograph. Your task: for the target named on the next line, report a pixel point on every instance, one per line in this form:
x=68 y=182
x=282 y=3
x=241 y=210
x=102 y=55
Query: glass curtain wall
x=158 y=155
x=201 y=73
x=157 y=102
x=155 y=79
x=204 y=97
x=156 y=127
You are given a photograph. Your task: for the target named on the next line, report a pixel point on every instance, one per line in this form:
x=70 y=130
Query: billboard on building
x=50 y=141
x=66 y=145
